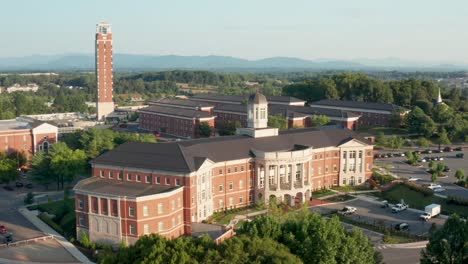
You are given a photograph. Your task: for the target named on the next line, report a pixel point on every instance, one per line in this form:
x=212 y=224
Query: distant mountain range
x=131 y=62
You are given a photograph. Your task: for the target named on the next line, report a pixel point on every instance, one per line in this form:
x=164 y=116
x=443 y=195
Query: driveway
x=372 y=213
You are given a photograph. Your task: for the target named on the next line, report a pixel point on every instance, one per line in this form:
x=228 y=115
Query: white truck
x=399 y=207
x=430 y=211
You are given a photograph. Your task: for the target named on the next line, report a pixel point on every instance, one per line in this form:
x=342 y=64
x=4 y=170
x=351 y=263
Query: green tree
x=230 y=128
x=460 y=175
x=395 y=142
x=381 y=139
x=8 y=170
x=431 y=165
x=40 y=170
x=319 y=120
x=423 y=142
x=66 y=163
x=418 y=122
x=277 y=121
x=19 y=157
x=447 y=244
x=95 y=141
x=204 y=129
x=443 y=138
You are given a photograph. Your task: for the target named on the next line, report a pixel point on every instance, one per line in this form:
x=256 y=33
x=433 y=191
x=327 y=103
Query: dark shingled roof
x=308 y=111
x=187 y=156
x=240 y=98
x=354 y=104
x=180 y=102
x=121 y=188
x=176 y=111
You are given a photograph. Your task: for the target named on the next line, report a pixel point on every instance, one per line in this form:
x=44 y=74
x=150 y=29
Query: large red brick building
x=142 y=188
x=17 y=135
x=176 y=117
x=104 y=63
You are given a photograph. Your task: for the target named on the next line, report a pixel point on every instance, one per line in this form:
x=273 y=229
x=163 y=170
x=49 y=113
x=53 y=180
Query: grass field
x=418 y=201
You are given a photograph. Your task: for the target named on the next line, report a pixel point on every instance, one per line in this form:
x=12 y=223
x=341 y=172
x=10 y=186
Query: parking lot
x=402 y=169
x=373 y=213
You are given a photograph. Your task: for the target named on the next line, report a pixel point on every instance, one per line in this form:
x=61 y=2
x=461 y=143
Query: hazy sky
x=311 y=29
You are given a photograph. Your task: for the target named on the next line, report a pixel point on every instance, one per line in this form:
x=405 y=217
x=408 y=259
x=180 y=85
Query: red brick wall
x=19 y=140
x=104 y=50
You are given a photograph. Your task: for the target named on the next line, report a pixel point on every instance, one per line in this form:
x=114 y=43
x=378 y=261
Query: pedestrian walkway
x=48 y=230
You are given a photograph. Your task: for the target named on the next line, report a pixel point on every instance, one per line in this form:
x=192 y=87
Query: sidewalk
x=48 y=230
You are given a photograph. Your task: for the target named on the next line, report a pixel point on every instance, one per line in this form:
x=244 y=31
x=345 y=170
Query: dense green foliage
x=239 y=249
x=204 y=129
x=313 y=238
x=299 y=237
x=8 y=169
x=277 y=121
x=448 y=244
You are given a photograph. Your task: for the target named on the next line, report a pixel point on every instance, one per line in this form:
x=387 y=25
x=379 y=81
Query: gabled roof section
x=176 y=111
x=357 y=105
x=188 y=156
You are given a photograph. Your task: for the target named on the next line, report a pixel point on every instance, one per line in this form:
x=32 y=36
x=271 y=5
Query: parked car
x=422 y=160
x=433 y=186
x=402 y=226
x=8 y=239
x=377 y=156
x=399 y=207
x=458 y=148
x=440 y=158
x=347 y=210
x=2 y=229
x=384 y=204
x=19 y=184
x=29 y=185
x=8 y=188
x=417 y=151
x=412 y=179
x=427 y=151
x=446 y=169
x=436 y=190
x=460 y=155
x=439 y=151
x=448 y=149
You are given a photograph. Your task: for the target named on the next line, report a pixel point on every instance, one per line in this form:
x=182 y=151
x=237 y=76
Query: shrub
x=29 y=198
x=84 y=241
x=457 y=200
x=382 y=178
x=51 y=223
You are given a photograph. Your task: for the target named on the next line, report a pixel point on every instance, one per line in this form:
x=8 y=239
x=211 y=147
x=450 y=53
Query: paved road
x=402 y=169
x=401 y=255
x=49 y=251
x=372 y=213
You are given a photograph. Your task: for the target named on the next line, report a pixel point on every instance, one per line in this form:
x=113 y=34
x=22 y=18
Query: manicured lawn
x=223 y=218
x=54 y=207
x=322 y=193
x=418 y=201
x=340 y=198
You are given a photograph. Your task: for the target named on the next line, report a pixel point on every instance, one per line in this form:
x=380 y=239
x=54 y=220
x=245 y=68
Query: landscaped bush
x=457 y=200
x=51 y=223
x=417 y=188
x=382 y=179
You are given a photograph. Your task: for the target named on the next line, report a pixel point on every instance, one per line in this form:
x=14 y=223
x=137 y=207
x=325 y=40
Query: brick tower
x=104 y=100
